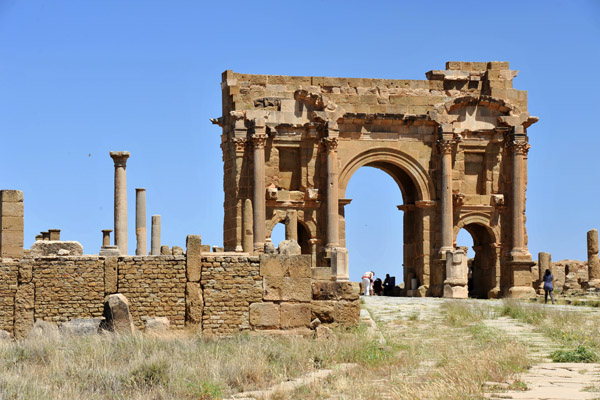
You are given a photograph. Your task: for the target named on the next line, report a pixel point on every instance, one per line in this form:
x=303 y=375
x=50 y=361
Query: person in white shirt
x=366 y=281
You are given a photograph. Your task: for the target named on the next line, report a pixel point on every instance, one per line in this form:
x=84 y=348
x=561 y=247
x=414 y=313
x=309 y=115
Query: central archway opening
x=376 y=231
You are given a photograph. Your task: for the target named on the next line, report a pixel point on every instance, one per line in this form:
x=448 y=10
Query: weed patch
x=580 y=355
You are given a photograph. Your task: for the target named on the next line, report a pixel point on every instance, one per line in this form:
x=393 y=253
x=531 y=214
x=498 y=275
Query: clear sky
x=81 y=78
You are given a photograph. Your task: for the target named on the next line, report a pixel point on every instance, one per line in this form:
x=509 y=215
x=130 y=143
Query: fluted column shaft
x=519 y=150
x=258 y=196
x=120 y=160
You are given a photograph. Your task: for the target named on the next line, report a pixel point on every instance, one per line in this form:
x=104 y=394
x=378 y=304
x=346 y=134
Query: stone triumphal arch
x=456 y=144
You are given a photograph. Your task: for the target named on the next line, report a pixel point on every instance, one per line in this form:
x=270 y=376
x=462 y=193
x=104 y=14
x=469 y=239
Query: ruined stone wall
x=66 y=287
x=8 y=289
x=230 y=284
x=154 y=286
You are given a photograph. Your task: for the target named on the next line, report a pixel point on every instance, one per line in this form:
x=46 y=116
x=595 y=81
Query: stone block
x=156 y=325
x=205 y=248
x=272 y=288
x=265 y=315
x=455 y=292
x=81 y=326
x=11 y=209
x=297 y=266
x=12 y=223
x=11 y=196
x=110 y=275
x=193 y=245
x=296 y=289
x=117 y=314
x=165 y=250
x=321 y=273
x=25 y=271
x=289 y=247
x=177 y=251
x=272 y=266
x=323 y=310
x=347 y=312
x=45 y=248
x=24 y=306
x=295 y=315
x=335 y=290
x=194 y=303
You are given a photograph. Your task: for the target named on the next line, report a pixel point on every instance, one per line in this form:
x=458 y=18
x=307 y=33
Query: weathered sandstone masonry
x=218 y=293
x=456 y=144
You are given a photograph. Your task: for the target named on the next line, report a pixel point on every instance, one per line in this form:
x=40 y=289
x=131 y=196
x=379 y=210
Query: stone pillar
x=291 y=225
x=313 y=252
x=446 y=145
x=455 y=285
x=140 y=222
x=544 y=263
x=259 y=139
x=45 y=235
x=247 y=235
x=54 y=234
x=520 y=147
x=155 y=236
x=106 y=237
x=333 y=234
x=120 y=160
x=520 y=259
x=11 y=224
x=593 y=261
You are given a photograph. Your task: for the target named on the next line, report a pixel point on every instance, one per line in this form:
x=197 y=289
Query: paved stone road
x=546 y=380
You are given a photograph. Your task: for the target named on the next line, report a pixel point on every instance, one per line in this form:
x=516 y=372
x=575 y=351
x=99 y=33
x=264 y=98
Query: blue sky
x=79 y=79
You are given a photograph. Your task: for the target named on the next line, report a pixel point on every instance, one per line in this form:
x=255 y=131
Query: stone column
x=446 y=145
x=247 y=235
x=106 y=237
x=140 y=222
x=120 y=160
x=544 y=263
x=593 y=261
x=291 y=225
x=313 y=252
x=455 y=285
x=519 y=147
x=333 y=235
x=155 y=236
x=259 y=139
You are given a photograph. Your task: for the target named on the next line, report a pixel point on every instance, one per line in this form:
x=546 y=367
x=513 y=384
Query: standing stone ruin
x=456 y=144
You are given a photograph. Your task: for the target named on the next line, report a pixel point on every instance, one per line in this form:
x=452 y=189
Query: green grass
x=581 y=354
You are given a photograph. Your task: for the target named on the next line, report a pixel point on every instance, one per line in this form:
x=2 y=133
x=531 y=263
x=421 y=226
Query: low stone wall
x=154 y=286
x=218 y=293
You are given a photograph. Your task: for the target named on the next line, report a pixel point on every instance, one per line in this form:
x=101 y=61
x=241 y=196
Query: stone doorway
x=484 y=267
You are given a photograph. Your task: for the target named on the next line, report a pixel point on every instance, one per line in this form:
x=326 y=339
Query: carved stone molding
x=447 y=146
x=425 y=203
x=459 y=199
x=330 y=143
x=240 y=144
x=520 y=147
x=259 y=140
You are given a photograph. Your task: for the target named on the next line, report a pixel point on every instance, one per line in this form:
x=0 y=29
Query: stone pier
x=455 y=285
x=140 y=222
x=120 y=160
x=291 y=225
x=544 y=263
x=11 y=224
x=155 y=239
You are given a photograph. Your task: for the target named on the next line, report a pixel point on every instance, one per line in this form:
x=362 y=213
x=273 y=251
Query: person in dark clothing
x=548 y=287
x=387 y=285
x=377 y=287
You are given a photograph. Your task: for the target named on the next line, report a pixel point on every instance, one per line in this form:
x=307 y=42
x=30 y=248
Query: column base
x=494 y=293
x=456 y=292
x=521 y=292
x=109 y=251
x=339 y=263
x=259 y=248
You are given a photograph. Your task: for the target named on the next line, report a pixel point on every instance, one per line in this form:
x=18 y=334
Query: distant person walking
x=366 y=281
x=548 y=287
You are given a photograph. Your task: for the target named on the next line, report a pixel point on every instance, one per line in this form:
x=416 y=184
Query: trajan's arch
x=455 y=143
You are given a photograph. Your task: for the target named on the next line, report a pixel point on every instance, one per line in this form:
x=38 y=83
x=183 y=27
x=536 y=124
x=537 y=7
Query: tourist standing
x=387 y=285
x=366 y=281
x=548 y=287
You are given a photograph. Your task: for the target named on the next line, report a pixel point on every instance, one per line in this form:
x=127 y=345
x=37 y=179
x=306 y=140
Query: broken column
x=455 y=285
x=593 y=261
x=140 y=222
x=544 y=263
x=120 y=160
x=107 y=250
x=247 y=236
x=155 y=236
x=11 y=224
x=291 y=225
